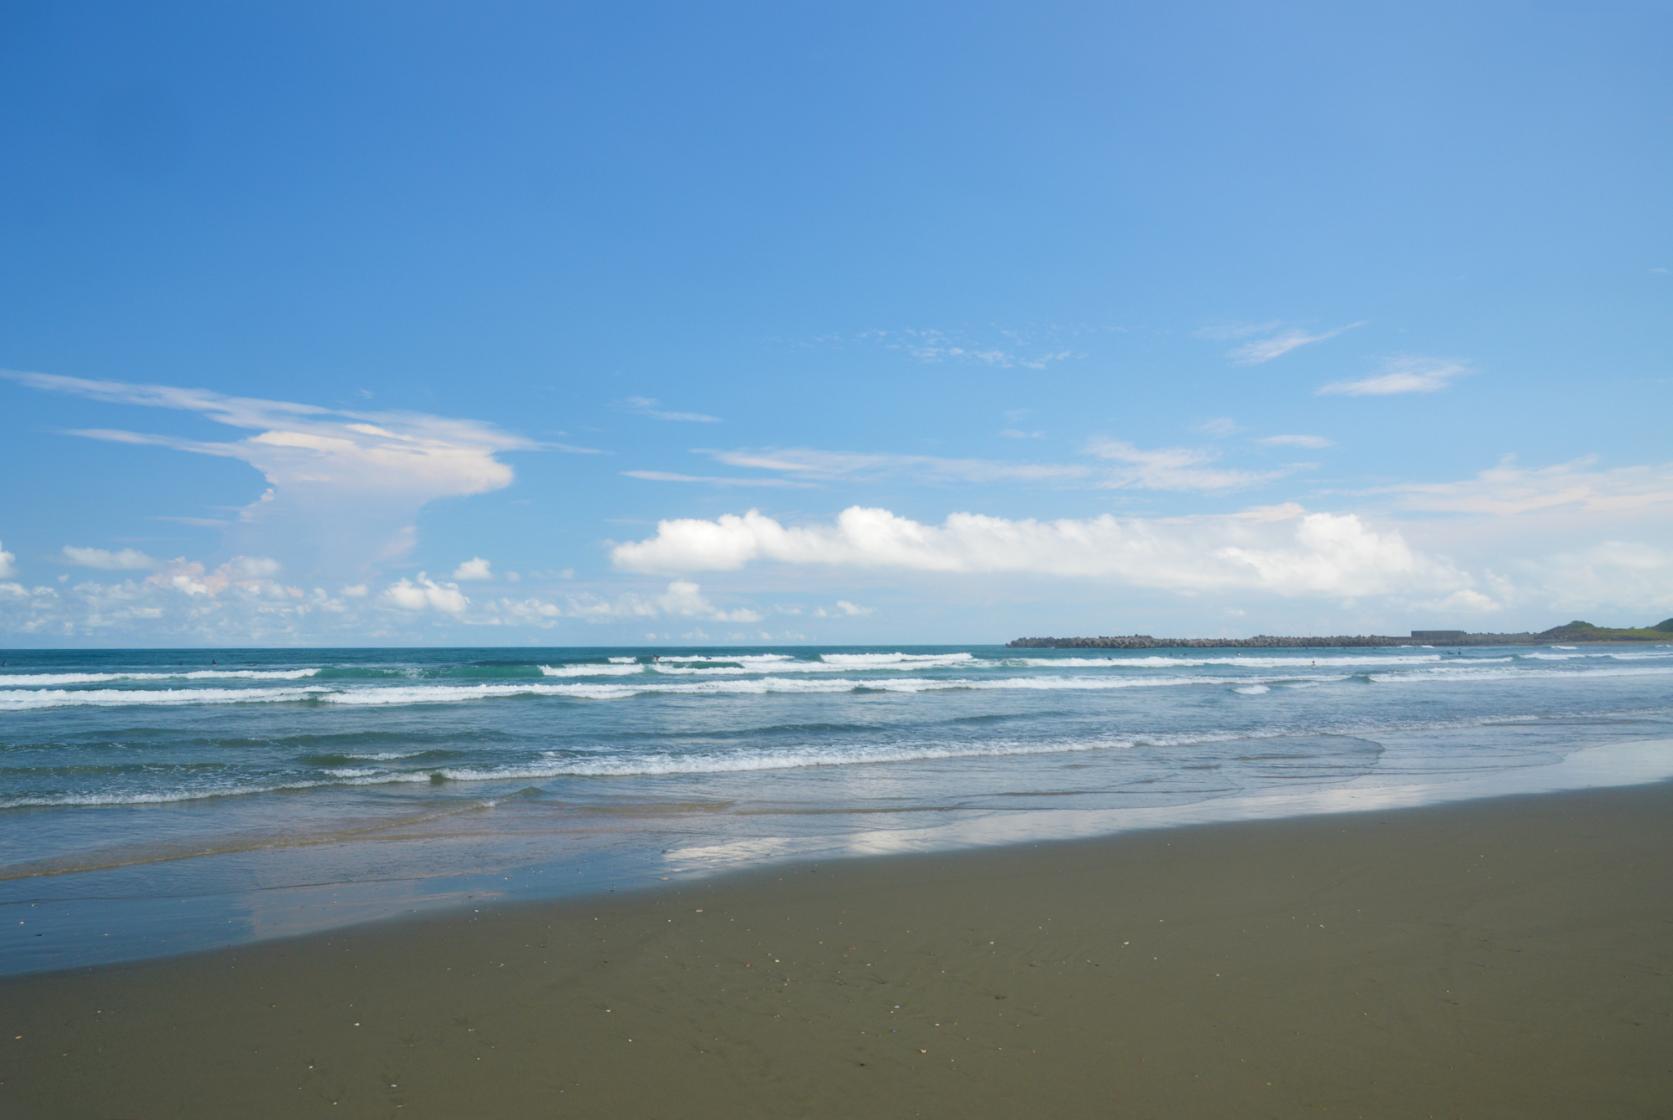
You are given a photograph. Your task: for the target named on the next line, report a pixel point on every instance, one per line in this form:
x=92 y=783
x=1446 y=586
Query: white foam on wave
x=556 y=766
x=758 y=686
x=739 y=658
x=1463 y=673
x=885 y=660
x=742 y=685
x=1658 y=654
x=916 y=664
x=16 y=700
x=624 y=660
x=48 y=680
x=173 y=796
x=613 y=669
x=1251 y=689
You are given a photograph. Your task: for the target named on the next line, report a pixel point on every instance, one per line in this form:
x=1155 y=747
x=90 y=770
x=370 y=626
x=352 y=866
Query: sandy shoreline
x=1511 y=957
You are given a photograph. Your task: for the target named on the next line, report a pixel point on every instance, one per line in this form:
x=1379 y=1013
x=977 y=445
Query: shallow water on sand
x=157 y=802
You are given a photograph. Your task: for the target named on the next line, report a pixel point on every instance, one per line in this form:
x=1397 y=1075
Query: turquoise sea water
x=158 y=801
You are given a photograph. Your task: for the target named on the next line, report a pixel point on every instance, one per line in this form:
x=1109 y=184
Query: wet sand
x=1505 y=958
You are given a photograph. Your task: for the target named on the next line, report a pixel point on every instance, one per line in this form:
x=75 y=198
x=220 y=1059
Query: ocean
x=155 y=802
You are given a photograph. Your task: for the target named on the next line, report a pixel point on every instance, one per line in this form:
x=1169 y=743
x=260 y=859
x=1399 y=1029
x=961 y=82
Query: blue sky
x=584 y=324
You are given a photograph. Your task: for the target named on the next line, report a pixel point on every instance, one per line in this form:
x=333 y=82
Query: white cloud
x=842 y=608
x=251 y=576
x=527 y=612
x=715 y=480
x=1284 y=550
x=1613 y=575
x=476 y=568
x=1509 y=490
x=1409 y=374
x=686 y=599
x=425 y=594
x=1311 y=443
x=1274 y=346
x=8 y=564
x=682 y=598
x=346 y=482
x=1219 y=427
x=1160 y=469
x=122 y=560
x=650 y=406
x=809 y=463
x=1010 y=350
x=1174 y=468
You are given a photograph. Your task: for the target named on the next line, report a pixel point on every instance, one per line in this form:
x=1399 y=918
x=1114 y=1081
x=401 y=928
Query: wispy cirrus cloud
x=1219 y=427
x=1310 y=443
x=812 y=464
x=1405 y=374
x=1510 y=490
x=1118 y=465
x=1175 y=468
x=1001 y=349
x=714 y=480
x=650 y=406
x=1262 y=350
x=1259 y=343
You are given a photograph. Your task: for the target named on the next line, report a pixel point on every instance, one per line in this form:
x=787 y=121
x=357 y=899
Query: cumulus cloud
x=842 y=608
x=526 y=612
x=8 y=564
x=1409 y=374
x=121 y=560
x=476 y=568
x=1284 y=550
x=681 y=599
x=425 y=594
x=249 y=575
x=345 y=481
x=1276 y=345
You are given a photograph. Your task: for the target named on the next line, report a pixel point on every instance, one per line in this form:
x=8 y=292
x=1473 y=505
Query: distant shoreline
x=1573 y=633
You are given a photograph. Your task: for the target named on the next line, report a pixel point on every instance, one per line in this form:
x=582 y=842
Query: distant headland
x=1572 y=632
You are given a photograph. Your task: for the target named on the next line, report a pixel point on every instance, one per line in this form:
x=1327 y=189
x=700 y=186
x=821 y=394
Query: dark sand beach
x=1509 y=958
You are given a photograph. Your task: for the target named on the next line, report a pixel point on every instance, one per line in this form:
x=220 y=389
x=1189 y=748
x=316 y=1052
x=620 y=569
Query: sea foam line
x=15 y=680
x=16 y=700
